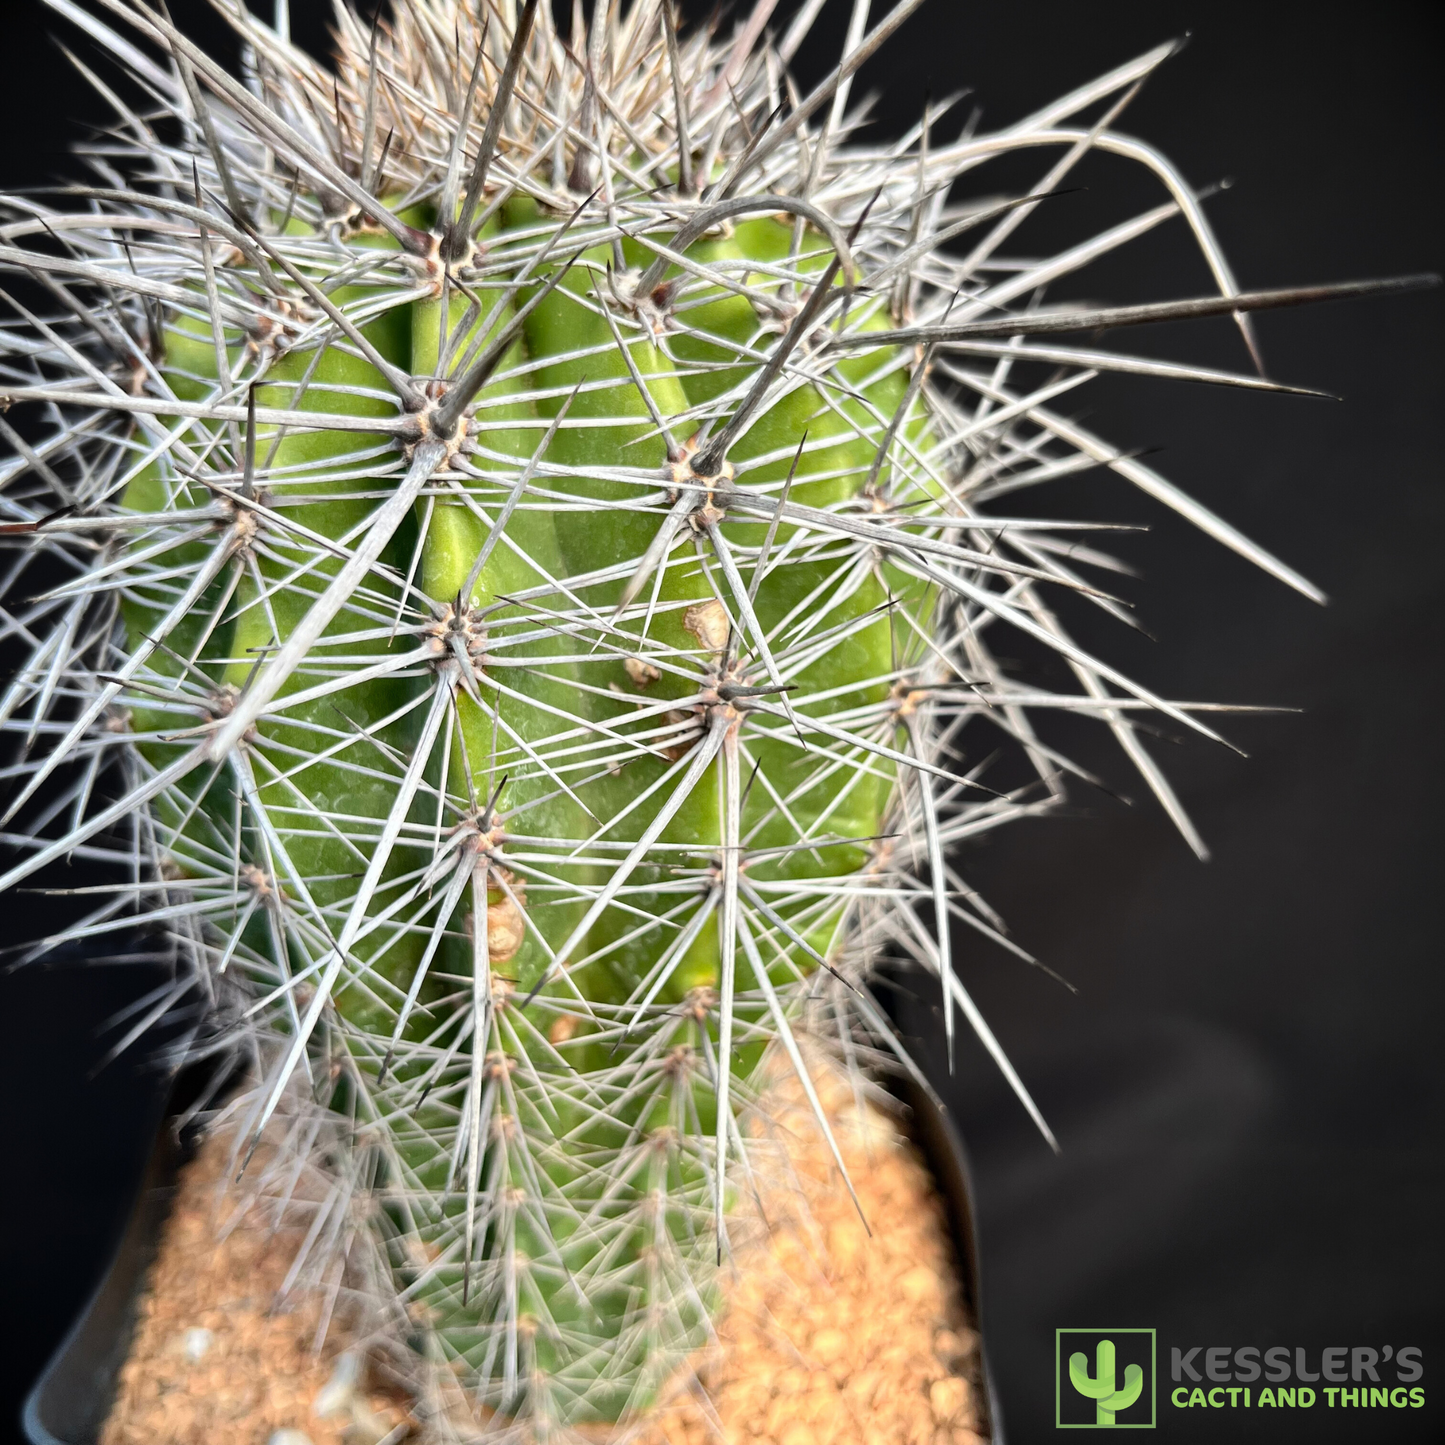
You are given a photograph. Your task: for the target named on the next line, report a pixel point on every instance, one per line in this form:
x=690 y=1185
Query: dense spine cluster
x=520 y=520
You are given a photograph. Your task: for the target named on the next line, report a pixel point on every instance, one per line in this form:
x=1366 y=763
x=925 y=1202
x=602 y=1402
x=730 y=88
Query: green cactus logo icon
x=1122 y=1379
x=1102 y=1387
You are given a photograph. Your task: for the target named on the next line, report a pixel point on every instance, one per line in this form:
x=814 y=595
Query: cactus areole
x=530 y=569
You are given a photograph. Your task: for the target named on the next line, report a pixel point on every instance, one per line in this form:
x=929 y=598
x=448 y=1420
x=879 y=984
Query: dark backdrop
x=1247 y=1085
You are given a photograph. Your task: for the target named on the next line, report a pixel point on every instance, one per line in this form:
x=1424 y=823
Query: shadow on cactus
x=528 y=633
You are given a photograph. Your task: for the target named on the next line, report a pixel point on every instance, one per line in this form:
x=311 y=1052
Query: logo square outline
x=1153 y=1422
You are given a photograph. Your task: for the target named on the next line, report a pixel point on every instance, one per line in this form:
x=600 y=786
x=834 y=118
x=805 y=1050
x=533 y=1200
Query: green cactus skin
x=528 y=631
x=536 y=698
x=1102 y=1386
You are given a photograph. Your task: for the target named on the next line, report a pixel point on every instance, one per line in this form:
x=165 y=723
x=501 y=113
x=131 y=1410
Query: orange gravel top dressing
x=828 y=1335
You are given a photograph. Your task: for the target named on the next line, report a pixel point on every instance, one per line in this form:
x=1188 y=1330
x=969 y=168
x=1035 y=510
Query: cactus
x=1103 y=1387
x=524 y=630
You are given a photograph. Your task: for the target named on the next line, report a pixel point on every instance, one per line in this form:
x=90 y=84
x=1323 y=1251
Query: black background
x=1247 y=1086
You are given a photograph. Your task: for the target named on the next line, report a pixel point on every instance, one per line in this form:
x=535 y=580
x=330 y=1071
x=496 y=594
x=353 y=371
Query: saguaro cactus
x=1102 y=1387
x=529 y=571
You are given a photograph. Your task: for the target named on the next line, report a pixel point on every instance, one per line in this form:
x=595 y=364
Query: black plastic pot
x=71 y=1399
x=934 y=1136
x=69 y=1402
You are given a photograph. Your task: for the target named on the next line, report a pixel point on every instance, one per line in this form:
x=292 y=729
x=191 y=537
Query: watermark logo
x=1104 y=1379
x=1337 y=1377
